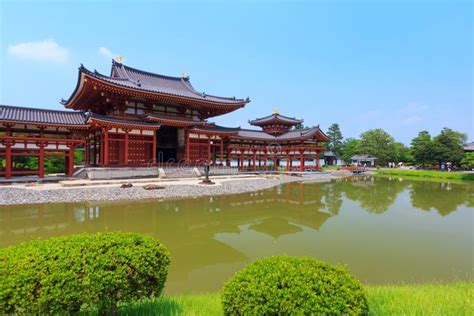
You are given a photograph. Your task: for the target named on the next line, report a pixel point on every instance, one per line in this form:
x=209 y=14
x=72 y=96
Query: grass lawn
x=429 y=299
x=427 y=174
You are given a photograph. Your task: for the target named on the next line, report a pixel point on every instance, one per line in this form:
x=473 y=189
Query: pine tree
x=335 y=145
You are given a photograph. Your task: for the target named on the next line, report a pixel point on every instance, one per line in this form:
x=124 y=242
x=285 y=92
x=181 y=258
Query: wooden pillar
x=221 y=151
x=70 y=161
x=41 y=160
x=317 y=161
x=106 y=146
x=94 y=158
x=287 y=161
x=188 y=145
x=241 y=161
x=265 y=162
x=87 y=158
x=208 y=149
x=101 y=142
x=301 y=160
x=125 y=150
x=254 y=160
x=153 y=150
x=8 y=159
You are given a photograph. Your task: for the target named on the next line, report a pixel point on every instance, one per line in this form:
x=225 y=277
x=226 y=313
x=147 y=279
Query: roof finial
x=275 y=110
x=119 y=59
x=184 y=74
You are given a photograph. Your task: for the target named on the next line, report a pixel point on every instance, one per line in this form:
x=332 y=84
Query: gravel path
x=22 y=195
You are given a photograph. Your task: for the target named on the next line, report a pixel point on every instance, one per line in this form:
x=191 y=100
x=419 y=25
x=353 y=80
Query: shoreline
x=172 y=189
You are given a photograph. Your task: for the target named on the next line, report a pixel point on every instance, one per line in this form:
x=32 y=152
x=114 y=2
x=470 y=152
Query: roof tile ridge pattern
x=39 y=109
x=118 y=120
x=184 y=80
x=144 y=72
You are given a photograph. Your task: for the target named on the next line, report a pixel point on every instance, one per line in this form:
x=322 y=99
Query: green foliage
x=428 y=174
x=378 y=143
x=422 y=299
x=335 y=145
x=290 y=285
x=350 y=147
x=410 y=299
x=79 y=272
x=448 y=146
x=422 y=148
x=468 y=161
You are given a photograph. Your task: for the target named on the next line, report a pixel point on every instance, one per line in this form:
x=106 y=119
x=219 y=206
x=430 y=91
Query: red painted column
x=222 y=152
x=8 y=159
x=101 y=153
x=188 y=146
x=265 y=160
x=301 y=160
x=317 y=161
x=287 y=161
x=254 y=160
x=154 y=148
x=209 y=149
x=125 y=151
x=41 y=161
x=70 y=162
x=94 y=158
x=106 y=147
x=87 y=157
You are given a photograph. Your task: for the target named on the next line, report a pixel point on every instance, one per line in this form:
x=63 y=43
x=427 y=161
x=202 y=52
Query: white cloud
x=107 y=53
x=45 y=51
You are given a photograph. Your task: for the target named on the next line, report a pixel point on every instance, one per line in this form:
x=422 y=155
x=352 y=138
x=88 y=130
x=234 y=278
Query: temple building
x=134 y=118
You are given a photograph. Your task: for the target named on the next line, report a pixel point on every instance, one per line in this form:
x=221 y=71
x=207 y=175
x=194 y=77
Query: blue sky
x=403 y=66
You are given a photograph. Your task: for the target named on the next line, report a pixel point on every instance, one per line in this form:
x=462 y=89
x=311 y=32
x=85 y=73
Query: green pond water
x=386 y=230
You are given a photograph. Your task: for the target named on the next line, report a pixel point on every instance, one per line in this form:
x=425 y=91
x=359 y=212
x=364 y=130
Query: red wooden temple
x=137 y=118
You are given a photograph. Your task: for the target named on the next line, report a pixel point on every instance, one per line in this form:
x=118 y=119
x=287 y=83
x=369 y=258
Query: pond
x=386 y=230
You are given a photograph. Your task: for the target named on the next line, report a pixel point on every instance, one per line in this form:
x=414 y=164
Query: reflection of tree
x=332 y=195
x=443 y=197
x=375 y=195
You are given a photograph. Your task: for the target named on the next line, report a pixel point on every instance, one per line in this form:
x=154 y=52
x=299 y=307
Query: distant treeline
x=424 y=151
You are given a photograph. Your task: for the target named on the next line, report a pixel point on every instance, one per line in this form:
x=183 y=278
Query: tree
x=422 y=148
x=380 y=144
x=350 y=147
x=448 y=146
x=468 y=161
x=335 y=145
x=402 y=153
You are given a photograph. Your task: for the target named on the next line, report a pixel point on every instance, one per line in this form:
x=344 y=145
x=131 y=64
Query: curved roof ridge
x=276 y=116
x=38 y=109
x=153 y=74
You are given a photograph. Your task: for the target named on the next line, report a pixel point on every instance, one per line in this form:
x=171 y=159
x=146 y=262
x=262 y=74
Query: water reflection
x=211 y=237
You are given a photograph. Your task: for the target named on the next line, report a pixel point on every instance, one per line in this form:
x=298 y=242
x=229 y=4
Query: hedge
x=81 y=272
x=290 y=285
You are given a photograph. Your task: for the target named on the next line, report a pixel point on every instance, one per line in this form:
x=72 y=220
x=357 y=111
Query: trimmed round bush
x=291 y=285
x=81 y=272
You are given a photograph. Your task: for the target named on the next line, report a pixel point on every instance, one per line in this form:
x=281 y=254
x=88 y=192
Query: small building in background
x=363 y=160
x=332 y=159
x=469 y=147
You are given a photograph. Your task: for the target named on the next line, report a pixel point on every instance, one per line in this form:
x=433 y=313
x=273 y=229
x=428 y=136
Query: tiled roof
x=295 y=134
x=363 y=156
x=34 y=115
x=469 y=147
x=217 y=128
x=119 y=120
x=129 y=77
x=160 y=117
x=275 y=117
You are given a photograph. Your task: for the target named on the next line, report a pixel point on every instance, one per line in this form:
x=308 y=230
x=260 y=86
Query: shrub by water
x=290 y=285
x=81 y=272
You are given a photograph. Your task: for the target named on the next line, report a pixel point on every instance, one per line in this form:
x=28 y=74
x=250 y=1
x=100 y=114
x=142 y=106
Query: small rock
x=126 y=185
x=153 y=187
